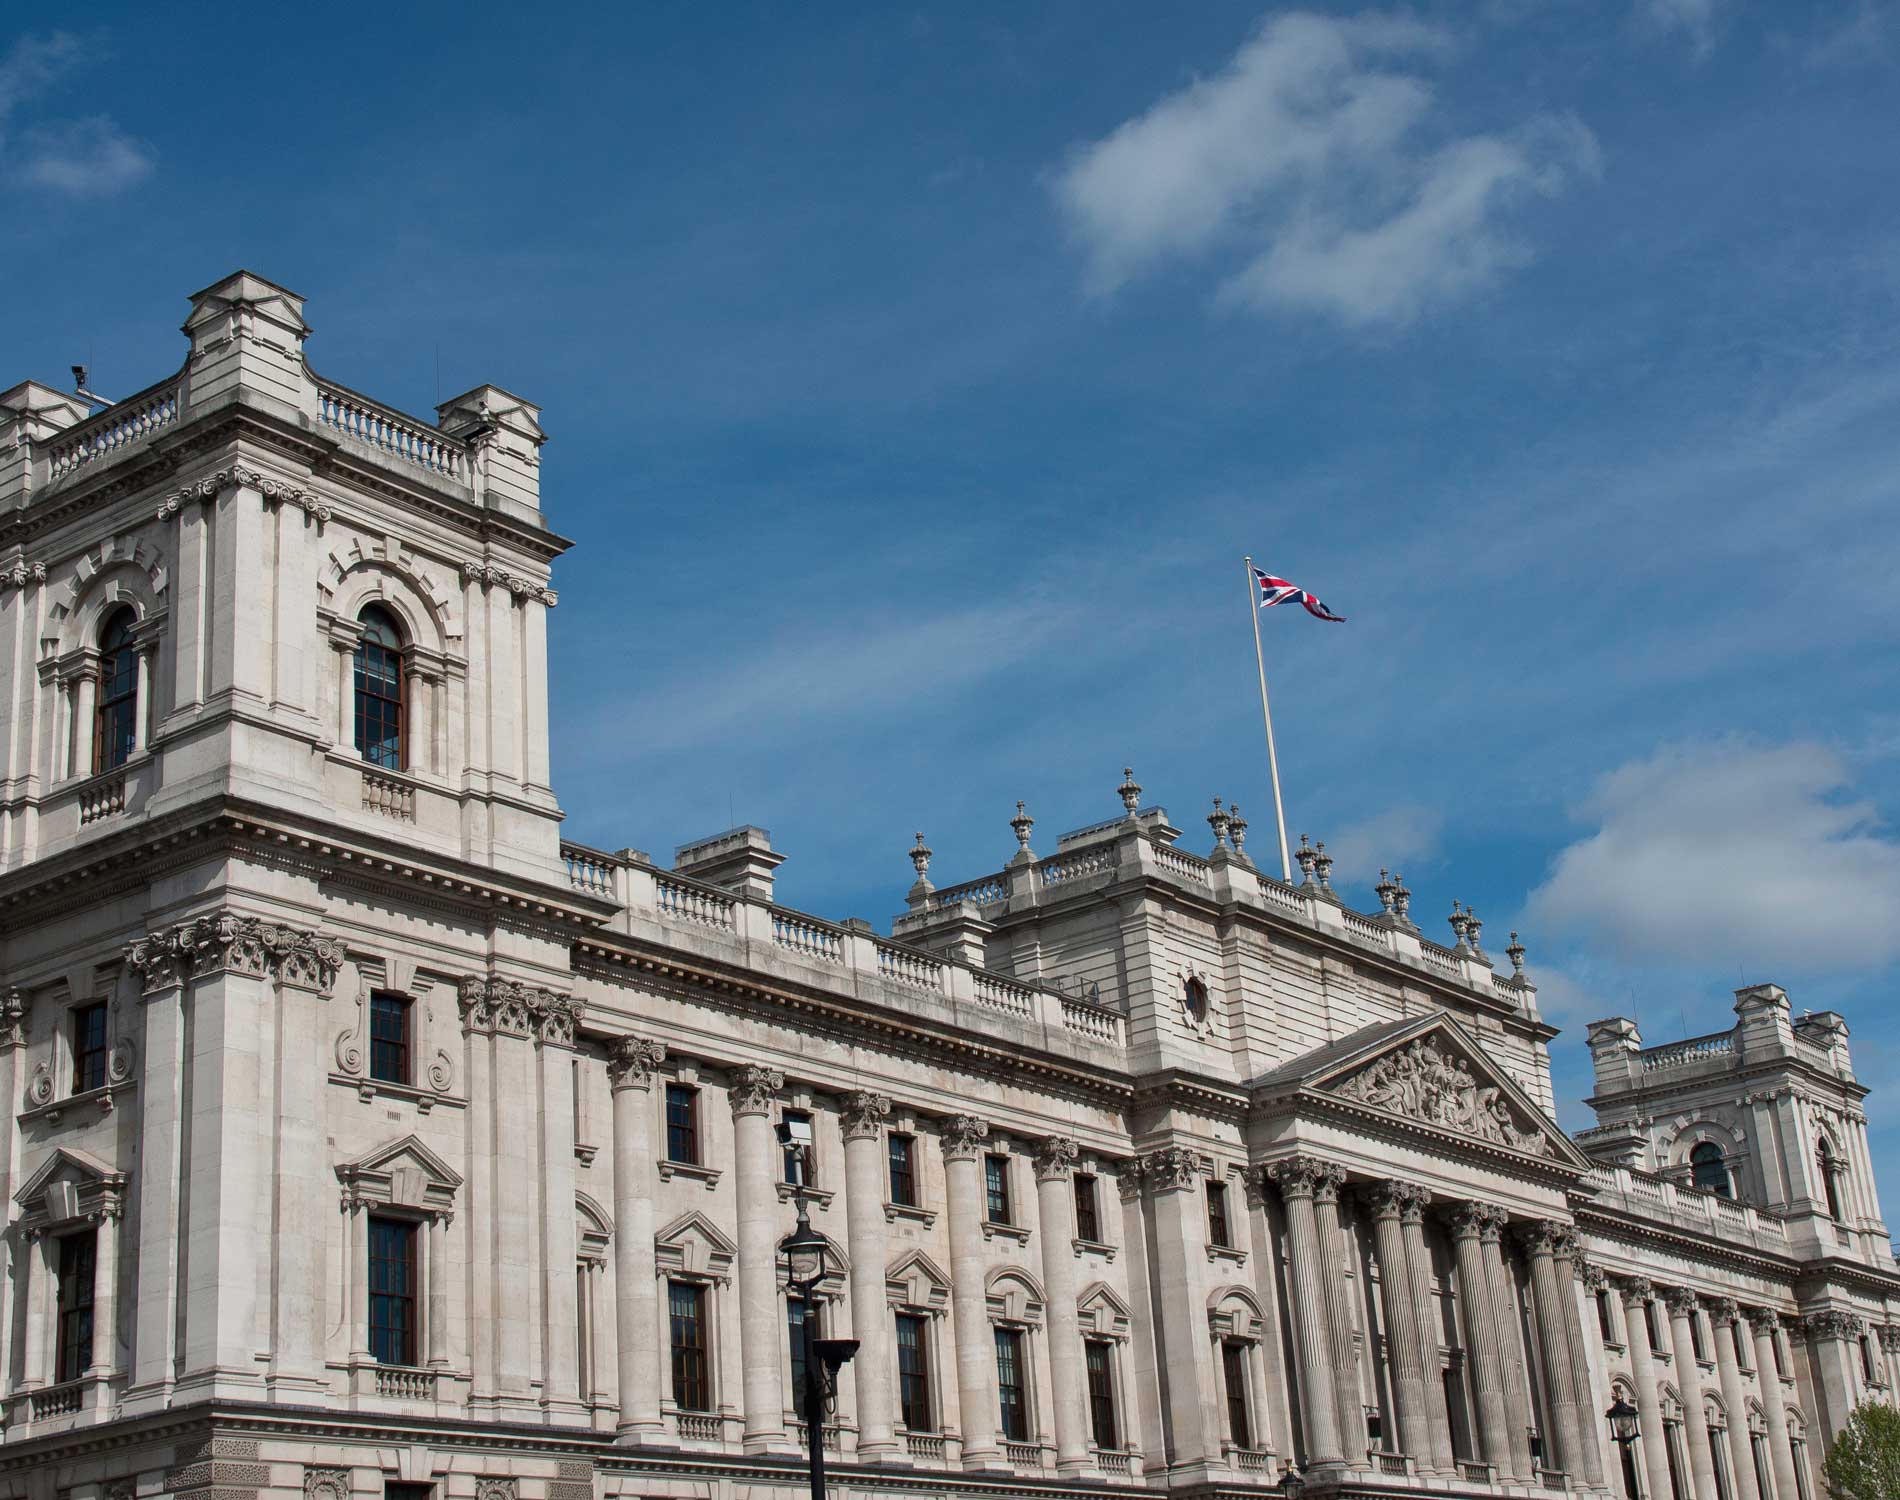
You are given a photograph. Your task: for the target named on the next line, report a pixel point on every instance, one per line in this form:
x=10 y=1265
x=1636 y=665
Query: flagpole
x=1266 y=714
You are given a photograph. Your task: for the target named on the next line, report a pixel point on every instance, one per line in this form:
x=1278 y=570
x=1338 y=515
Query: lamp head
x=1291 y=1482
x=1622 y=1418
x=835 y=1353
x=804 y=1251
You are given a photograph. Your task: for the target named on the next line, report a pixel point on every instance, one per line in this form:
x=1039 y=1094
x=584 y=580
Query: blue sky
x=916 y=380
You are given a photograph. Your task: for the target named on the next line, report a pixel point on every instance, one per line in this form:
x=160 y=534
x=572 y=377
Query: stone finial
x=1305 y=858
x=1237 y=831
x=1402 y=902
x=1129 y=791
x=920 y=853
x=1385 y=891
x=1516 y=955
x=1473 y=930
x=1460 y=925
x=1220 y=822
x=1021 y=825
x=1323 y=866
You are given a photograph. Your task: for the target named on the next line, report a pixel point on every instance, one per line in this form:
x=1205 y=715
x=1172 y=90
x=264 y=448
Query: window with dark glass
x=396 y=1489
x=1830 y=1171
x=1649 y=1327
x=682 y=1124
x=1758 y=1451
x=1088 y=1225
x=1867 y=1360
x=1010 y=1392
x=796 y=1311
x=392 y=1291
x=686 y=1319
x=996 y=1188
x=903 y=1171
x=1672 y=1437
x=797 y=1149
x=1097 y=1354
x=1743 y=1360
x=378 y=667
x=1218 y=1233
x=78 y=1260
x=913 y=1374
x=1233 y=1365
x=1799 y=1448
x=1604 y=1326
x=1718 y=1457
x=116 y=717
x=389 y=1036
x=1774 y=1345
x=1696 y=1345
x=1707 y=1169
x=89 y=1047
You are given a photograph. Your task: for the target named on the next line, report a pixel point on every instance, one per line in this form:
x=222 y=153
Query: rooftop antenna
x=91 y=398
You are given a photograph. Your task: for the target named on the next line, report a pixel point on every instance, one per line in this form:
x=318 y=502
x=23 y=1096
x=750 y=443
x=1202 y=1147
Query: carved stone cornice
x=504 y=1007
x=631 y=1062
x=1172 y=1169
x=1055 y=1159
x=521 y=588
x=751 y=1089
x=863 y=1114
x=1301 y=1176
x=1681 y=1302
x=274 y=491
x=1763 y=1320
x=13 y=1008
x=225 y=942
x=1833 y=1324
x=962 y=1137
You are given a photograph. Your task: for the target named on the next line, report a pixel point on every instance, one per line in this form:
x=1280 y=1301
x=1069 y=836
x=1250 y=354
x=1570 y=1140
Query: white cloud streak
x=1696 y=19
x=1300 y=154
x=82 y=157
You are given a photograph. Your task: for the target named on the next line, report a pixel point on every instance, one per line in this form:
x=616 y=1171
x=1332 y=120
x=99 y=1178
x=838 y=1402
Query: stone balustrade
x=388 y=430
x=1692 y=1209
x=130 y=421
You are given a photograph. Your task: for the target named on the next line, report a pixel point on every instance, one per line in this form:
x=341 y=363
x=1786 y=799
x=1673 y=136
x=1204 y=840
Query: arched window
x=115 y=721
x=1705 y=1163
x=1830 y=1174
x=379 y=674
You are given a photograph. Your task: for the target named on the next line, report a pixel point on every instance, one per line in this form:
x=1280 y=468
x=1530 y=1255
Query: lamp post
x=1622 y=1419
x=1292 y=1484
x=804 y=1250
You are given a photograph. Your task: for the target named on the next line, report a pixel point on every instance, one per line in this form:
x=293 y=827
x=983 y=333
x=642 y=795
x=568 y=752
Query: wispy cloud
x=86 y=156
x=1717 y=853
x=1302 y=156
x=1696 y=19
x=1394 y=838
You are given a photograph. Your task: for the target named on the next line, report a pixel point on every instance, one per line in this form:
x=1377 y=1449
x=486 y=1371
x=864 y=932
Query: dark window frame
x=92 y=1045
x=900 y=1154
x=1088 y=1217
x=391 y=1056
x=1233 y=1362
x=115 y=714
x=798 y=1165
x=1098 y=1364
x=1012 y=1383
x=682 y=1124
x=379 y=671
x=914 y=1405
x=1220 y=1231
x=77 y=1290
x=394 y=1290
x=1708 y=1170
x=996 y=1197
x=690 y=1346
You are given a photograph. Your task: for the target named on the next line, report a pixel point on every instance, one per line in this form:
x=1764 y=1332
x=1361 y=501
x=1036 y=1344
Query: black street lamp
x=1292 y=1485
x=804 y=1250
x=1622 y=1418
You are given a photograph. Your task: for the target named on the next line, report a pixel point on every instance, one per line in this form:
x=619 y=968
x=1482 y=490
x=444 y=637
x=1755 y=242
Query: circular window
x=1194 y=997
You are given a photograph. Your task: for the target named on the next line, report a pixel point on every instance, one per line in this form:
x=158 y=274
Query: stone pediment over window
x=402 y=1174
x=70 y=1186
x=917 y=1282
x=1101 y=1312
x=693 y=1246
x=1427 y=1071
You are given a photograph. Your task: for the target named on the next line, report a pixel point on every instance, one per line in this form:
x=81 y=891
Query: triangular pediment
x=407 y=1152
x=66 y=1163
x=915 y=1280
x=1429 y=1071
x=1102 y=1312
x=693 y=1246
x=70 y=1184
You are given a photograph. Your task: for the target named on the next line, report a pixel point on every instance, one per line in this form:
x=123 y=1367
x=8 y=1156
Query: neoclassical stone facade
x=366 y=1138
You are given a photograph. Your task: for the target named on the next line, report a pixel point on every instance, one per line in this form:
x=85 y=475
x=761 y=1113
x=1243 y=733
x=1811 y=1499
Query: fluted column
x=1418 y=1264
x=1511 y=1352
x=1890 y=1360
x=1298 y=1178
x=1542 y=1242
x=962 y=1140
x=1387 y=1201
x=1055 y=1224
x=1763 y=1323
x=1636 y=1291
x=105 y=1296
x=1329 y=1214
x=863 y=1119
x=1726 y=1317
x=1681 y=1303
x=1589 y=1434
x=630 y=1067
x=761 y=1328
x=1481 y=1331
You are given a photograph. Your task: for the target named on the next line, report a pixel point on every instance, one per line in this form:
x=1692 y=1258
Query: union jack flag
x=1277 y=591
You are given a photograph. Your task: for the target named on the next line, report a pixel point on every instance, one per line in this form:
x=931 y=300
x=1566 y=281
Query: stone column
x=554 y=1019
x=637 y=1345
x=1481 y=1332
x=1681 y=1303
x=1764 y=1323
x=1299 y=1178
x=1589 y=1434
x=1517 y=1371
x=1543 y=1241
x=962 y=1141
x=1387 y=1201
x=1726 y=1318
x=1418 y=1262
x=863 y=1116
x=356 y=1230
x=1055 y=1224
x=105 y=1294
x=761 y=1327
x=42 y=1281
x=1329 y=1212
x=1177 y=1217
x=86 y=699
x=1890 y=1361
x=1636 y=1291
x=438 y=1285
x=142 y=704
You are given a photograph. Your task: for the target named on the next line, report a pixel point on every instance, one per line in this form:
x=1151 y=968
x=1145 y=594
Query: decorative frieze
x=226 y=942
x=21 y=574
x=521 y=588
x=632 y=1062
x=1422 y=1082
x=274 y=491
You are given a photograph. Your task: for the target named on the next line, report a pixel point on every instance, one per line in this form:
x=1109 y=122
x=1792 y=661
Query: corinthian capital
x=751 y=1090
x=1465 y=1220
x=13 y=1008
x=1545 y=1237
x=226 y=942
x=864 y=1114
x=1172 y=1168
x=1724 y=1311
x=1303 y=1176
x=963 y=1136
x=1681 y=1302
x=631 y=1062
x=1394 y=1197
x=1763 y=1320
x=1055 y=1158
x=1834 y=1324
x=1634 y=1288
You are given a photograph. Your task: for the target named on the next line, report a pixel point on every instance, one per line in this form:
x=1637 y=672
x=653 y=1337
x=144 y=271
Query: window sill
x=372 y=1088
x=668 y=1170
x=104 y=1097
x=585 y=1154
x=991 y=1228
x=924 y=1216
x=1227 y=1253
x=1093 y=1247
x=821 y=1196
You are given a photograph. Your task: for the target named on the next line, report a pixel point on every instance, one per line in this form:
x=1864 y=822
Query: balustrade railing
x=985 y=892
x=384 y=427
x=902 y=966
x=1121 y=1465
x=1004 y=994
x=1092 y=1020
x=1553 y=1479
x=589 y=869
x=390 y=796
x=131 y=421
x=698 y=1427
x=1694 y=1049
x=1076 y=866
x=1394 y=1465
x=1179 y=862
x=101 y=798
x=1023 y=1455
x=807 y=935
x=1363 y=927
x=687 y=901
x=1472 y=1471
x=58 y=1400
x=925 y=1445
x=1279 y=893
x=403 y=1384
x=1253 y=1460
x=1441 y=959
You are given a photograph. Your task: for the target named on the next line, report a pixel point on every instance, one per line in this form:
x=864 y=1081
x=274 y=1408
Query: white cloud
x=1299 y=152
x=1694 y=18
x=31 y=64
x=82 y=157
x=1393 y=839
x=1730 y=853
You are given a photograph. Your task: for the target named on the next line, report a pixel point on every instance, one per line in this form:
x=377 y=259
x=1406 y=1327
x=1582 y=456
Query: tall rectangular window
x=1604 y=1325
x=913 y=1374
x=1233 y=1365
x=1764 y=1477
x=1799 y=1448
x=1649 y=1327
x=1088 y=1223
x=1218 y=1232
x=903 y=1169
x=389 y=1042
x=89 y=1047
x=797 y=1148
x=1011 y=1394
x=392 y=1291
x=1774 y=1345
x=78 y=1261
x=1744 y=1360
x=686 y=1319
x=1696 y=1346
x=795 y=1314
x=682 y=1124
x=1097 y=1355
x=996 y=1189
x=1718 y=1457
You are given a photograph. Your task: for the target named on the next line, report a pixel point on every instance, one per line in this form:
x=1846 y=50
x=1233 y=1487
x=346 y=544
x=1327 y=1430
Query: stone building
x=364 y=1138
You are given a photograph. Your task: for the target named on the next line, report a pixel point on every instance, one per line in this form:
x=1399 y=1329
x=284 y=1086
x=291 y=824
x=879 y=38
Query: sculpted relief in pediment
x=1423 y=1082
